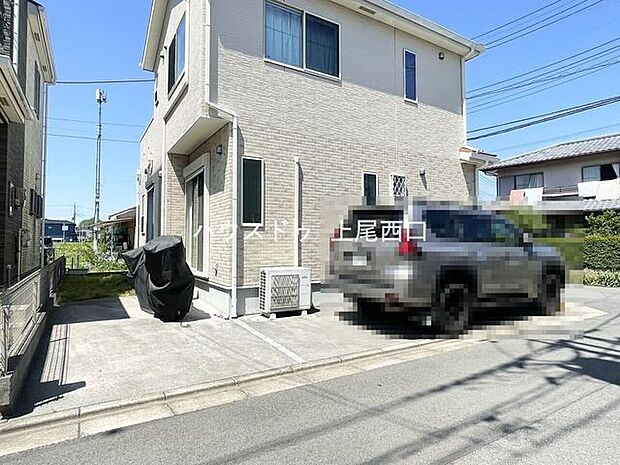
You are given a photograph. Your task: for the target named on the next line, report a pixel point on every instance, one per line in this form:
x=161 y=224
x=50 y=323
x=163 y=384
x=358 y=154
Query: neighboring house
x=269 y=115
x=61 y=230
x=585 y=174
x=120 y=229
x=26 y=69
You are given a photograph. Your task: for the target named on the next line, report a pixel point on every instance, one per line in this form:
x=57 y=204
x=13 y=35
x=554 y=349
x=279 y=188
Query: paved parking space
x=108 y=349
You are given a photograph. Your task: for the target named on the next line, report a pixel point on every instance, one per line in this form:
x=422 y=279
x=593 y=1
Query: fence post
x=4 y=315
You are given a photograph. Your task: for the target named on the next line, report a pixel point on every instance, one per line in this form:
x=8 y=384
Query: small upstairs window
x=176 y=56
x=411 y=91
x=283 y=35
x=37 y=91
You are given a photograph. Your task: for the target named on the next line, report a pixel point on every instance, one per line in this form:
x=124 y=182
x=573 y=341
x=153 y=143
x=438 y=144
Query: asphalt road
x=535 y=401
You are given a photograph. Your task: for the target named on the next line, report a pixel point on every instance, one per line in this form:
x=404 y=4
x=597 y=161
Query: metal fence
x=21 y=303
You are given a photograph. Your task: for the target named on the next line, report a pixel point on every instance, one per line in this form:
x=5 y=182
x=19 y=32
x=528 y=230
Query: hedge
x=571 y=249
x=601 y=252
x=604 y=278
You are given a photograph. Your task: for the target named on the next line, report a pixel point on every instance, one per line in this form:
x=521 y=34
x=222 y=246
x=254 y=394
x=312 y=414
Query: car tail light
x=407 y=246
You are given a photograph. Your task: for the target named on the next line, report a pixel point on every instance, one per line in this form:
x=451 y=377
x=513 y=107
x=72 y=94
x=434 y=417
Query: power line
x=516 y=20
x=95 y=122
x=544 y=118
x=67 y=136
x=106 y=81
x=523 y=32
x=522 y=94
x=557 y=138
x=527 y=83
x=547 y=66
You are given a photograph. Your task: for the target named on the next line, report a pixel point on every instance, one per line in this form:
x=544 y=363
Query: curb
x=21 y=425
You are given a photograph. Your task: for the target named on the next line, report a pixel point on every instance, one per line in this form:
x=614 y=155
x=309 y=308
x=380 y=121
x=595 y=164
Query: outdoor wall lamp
x=219 y=150
x=441 y=55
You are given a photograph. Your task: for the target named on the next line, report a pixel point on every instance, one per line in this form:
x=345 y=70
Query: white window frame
x=303 y=41
x=407 y=99
x=195 y=168
x=364 y=173
x=262 y=191
x=142 y=215
x=148 y=190
x=392 y=176
x=182 y=77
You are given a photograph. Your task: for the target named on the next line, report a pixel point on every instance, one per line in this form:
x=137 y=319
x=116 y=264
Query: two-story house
x=584 y=175
x=270 y=115
x=26 y=69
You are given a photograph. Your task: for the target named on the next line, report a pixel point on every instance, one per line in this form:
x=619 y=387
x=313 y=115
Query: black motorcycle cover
x=163 y=281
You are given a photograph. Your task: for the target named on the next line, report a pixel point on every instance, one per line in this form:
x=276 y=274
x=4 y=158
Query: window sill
x=199 y=274
x=310 y=72
x=411 y=101
x=178 y=93
x=253 y=225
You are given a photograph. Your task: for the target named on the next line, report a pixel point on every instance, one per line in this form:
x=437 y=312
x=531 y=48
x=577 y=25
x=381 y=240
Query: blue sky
x=98 y=39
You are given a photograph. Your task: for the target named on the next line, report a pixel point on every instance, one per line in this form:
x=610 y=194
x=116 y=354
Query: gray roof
x=572 y=149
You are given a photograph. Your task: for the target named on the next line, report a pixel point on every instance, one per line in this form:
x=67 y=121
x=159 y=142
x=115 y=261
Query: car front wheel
x=453 y=308
x=550 y=292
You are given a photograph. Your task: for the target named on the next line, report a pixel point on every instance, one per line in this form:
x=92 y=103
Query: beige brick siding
x=338 y=129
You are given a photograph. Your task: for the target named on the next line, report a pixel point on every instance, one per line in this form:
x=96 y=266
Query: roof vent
x=37 y=36
x=367 y=10
x=4 y=102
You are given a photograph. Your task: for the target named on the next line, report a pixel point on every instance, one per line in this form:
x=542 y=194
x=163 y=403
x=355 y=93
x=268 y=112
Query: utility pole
x=100 y=97
x=74 y=212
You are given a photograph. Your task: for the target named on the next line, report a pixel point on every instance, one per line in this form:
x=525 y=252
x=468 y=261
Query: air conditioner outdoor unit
x=284 y=289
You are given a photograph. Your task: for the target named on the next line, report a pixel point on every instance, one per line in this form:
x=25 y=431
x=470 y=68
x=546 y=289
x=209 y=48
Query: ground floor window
x=370 y=189
x=195 y=198
x=399 y=186
x=252 y=192
x=150 y=214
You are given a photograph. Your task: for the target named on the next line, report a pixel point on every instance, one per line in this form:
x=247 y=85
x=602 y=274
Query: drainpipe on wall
x=44 y=172
x=296 y=222
x=232 y=308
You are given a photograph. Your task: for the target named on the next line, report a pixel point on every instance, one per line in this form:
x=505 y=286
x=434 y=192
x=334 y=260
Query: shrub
x=604 y=278
x=601 y=253
x=571 y=249
x=604 y=224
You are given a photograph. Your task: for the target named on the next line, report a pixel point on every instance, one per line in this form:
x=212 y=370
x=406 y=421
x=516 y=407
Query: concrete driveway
x=108 y=349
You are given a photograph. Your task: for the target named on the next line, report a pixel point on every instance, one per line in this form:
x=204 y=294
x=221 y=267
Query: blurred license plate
x=359 y=260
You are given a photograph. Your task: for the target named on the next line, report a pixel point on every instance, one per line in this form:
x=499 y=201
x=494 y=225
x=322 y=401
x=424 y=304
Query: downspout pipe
x=232 y=307
x=44 y=169
x=296 y=222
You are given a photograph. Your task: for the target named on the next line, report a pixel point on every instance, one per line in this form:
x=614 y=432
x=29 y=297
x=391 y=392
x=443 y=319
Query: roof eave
x=400 y=18
x=39 y=24
x=153 y=35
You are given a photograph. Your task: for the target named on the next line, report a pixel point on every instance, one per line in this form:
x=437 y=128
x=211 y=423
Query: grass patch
x=93 y=286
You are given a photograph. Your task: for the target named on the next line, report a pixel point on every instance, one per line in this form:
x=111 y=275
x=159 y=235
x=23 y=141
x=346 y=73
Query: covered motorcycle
x=163 y=281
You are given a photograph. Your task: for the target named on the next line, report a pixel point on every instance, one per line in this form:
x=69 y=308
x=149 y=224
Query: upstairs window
x=37 y=90
x=604 y=172
x=176 y=56
x=411 y=92
x=529 y=181
x=322 y=44
x=302 y=40
x=283 y=35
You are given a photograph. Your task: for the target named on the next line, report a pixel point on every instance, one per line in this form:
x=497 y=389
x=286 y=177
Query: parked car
x=443 y=263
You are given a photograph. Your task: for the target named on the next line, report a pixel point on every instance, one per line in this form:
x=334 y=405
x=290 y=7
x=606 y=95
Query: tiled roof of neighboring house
x=578 y=148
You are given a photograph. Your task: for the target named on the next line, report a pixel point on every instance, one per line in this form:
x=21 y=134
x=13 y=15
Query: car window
x=380 y=218
x=470 y=227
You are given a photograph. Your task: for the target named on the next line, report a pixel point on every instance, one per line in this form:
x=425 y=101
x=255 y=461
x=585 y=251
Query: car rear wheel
x=550 y=292
x=453 y=308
